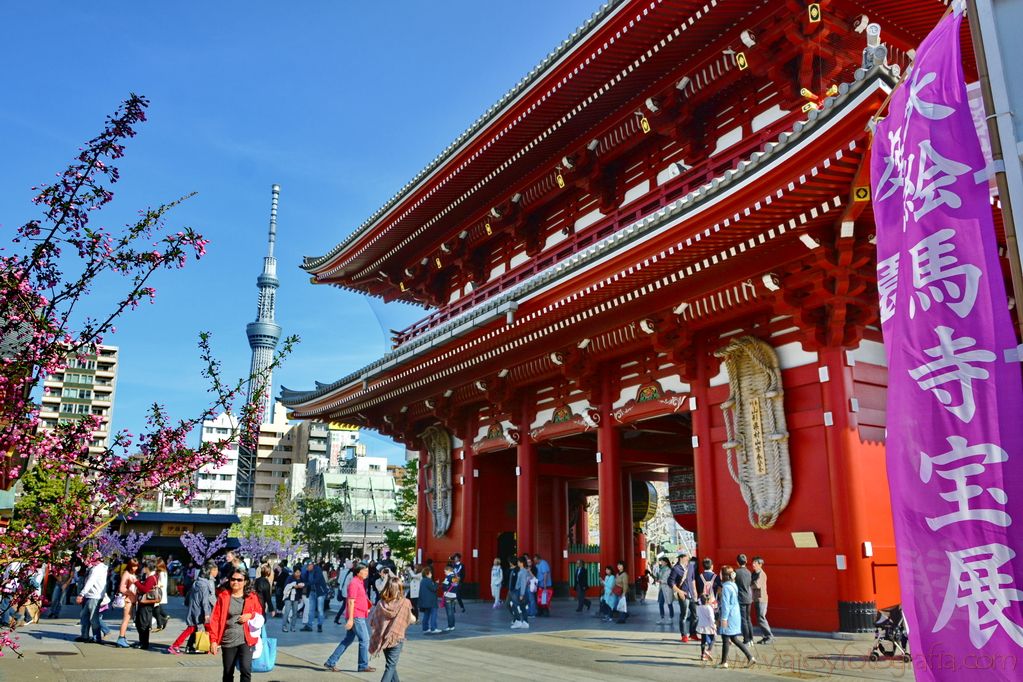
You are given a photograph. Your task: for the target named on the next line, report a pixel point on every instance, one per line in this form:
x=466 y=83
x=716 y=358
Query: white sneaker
x=516 y=625
x=448 y=629
x=525 y=625
x=435 y=632
x=660 y=622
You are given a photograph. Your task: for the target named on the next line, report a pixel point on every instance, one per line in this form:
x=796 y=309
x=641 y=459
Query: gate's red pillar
x=852 y=485
x=703 y=461
x=526 y=484
x=421 y=515
x=470 y=527
x=628 y=554
x=609 y=479
x=559 y=523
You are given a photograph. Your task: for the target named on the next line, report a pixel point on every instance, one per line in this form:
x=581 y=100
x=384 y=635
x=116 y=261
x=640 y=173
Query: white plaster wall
x=588 y=219
x=870 y=352
x=635 y=192
x=518 y=259
x=556 y=238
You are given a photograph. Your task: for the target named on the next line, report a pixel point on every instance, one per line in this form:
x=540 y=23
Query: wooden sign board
x=175 y=529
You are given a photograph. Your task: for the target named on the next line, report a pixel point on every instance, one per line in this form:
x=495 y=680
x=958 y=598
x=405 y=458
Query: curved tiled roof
x=312 y=262
x=628 y=235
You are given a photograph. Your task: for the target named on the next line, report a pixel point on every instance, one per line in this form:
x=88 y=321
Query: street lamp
x=365 y=524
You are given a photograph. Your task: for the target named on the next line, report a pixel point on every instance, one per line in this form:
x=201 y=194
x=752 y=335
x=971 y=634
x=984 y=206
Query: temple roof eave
x=495 y=308
x=313 y=263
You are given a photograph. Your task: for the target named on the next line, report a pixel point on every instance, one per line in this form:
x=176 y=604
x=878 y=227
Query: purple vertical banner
x=955 y=400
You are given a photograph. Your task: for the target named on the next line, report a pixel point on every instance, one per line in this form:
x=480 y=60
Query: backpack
x=342 y=586
x=708 y=587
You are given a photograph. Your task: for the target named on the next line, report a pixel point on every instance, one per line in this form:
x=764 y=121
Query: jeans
x=237 y=655
x=90 y=616
x=314 y=605
x=513 y=604
x=684 y=625
x=429 y=618
x=747 y=626
x=522 y=609
x=391 y=669
x=57 y=601
x=449 y=607
x=531 y=603
x=663 y=598
x=761 y=607
x=290 y=611
x=360 y=629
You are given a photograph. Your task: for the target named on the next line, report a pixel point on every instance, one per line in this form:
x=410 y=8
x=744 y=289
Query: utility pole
x=365 y=526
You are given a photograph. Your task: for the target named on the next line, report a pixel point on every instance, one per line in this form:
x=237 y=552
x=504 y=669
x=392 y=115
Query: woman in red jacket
x=229 y=625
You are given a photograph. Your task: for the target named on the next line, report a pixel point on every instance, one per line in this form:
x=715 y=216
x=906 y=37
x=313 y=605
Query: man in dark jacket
x=682 y=587
x=744 y=580
x=582 y=582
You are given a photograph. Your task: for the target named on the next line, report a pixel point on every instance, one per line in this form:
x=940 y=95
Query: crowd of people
x=228 y=602
x=710 y=603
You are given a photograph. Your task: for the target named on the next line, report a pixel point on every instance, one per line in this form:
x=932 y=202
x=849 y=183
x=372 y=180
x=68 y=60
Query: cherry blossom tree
x=49 y=272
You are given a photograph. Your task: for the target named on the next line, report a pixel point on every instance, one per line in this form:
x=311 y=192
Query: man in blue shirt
x=543 y=582
x=316 y=591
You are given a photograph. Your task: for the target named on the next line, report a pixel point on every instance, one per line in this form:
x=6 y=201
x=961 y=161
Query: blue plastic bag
x=267 y=659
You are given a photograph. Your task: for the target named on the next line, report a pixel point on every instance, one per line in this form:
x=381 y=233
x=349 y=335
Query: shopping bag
x=202 y=642
x=545 y=596
x=267 y=657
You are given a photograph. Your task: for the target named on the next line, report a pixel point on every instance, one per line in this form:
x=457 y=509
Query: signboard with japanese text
x=682 y=490
x=954 y=391
x=175 y=529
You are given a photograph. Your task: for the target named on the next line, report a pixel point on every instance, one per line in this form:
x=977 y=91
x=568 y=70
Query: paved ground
x=567 y=646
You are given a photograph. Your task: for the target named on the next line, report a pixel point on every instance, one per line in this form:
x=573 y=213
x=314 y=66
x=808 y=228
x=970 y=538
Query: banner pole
x=1006 y=195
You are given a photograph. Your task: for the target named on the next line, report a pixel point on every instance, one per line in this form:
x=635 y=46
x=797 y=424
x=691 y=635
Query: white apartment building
x=215 y=485
x=86 y=386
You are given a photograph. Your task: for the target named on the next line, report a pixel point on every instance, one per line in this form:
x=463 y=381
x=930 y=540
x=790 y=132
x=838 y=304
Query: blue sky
x=340 y=103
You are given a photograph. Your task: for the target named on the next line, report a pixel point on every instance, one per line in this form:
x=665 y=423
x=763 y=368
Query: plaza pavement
x=566 y=646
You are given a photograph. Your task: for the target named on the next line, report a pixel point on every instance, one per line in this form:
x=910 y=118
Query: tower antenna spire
x=263 y=335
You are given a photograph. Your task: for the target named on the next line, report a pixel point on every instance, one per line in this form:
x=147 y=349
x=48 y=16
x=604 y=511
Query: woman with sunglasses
x=230 y=628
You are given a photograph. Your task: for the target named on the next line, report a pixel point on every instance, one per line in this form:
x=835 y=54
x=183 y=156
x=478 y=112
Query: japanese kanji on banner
x=955 y=400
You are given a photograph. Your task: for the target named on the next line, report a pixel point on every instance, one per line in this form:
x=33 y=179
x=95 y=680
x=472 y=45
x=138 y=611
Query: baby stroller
x=891 y=634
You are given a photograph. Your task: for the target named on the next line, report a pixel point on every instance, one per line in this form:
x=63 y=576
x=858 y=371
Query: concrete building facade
x=84 y=387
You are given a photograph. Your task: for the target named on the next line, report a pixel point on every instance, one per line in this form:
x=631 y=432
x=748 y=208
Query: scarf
x=388 y=623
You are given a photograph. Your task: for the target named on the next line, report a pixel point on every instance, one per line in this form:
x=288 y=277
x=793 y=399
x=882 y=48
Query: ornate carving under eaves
x=651 y=400
x=564 y=422
x=438 y=478
x=757 y=450
x=496 y=438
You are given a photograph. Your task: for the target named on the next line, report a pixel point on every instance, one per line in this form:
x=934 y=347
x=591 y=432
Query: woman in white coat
x=496 y=580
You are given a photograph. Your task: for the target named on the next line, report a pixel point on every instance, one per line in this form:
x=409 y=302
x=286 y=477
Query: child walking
x=451 y=585
x=388 y=622
x=496 y=580
x=705 y=626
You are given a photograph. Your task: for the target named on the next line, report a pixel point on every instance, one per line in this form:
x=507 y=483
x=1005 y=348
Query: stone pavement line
x=567 y=646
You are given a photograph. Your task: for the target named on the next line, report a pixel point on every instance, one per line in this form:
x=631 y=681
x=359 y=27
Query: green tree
x=44 y=489
x=402 y=542
x=283 y=507
x=319 y=524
